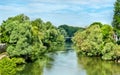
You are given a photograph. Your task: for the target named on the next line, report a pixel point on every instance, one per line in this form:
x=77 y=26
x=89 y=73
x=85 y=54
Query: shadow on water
x=68 y=63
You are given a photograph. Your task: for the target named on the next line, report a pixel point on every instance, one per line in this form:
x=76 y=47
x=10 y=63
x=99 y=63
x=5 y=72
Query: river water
x=68 y=63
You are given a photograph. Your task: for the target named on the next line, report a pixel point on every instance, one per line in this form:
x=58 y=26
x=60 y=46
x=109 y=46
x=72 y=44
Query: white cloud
x=73 y=12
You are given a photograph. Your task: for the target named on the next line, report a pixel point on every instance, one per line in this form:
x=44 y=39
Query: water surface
x=68 y=63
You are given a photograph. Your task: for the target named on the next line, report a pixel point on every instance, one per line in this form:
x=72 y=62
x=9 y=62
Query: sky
x=71 y=12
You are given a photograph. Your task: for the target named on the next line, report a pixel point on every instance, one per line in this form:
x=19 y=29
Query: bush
x=9 y=66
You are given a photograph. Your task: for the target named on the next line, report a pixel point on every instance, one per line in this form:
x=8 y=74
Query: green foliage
x=108 y=51
x=9 y=66
x=8 y=25
x=108 y=33
x=116 y=17
x=18 y=61
x=29 y=39
x=86 y=40
x=96 y=23
x=63 y=32
x=96 y=40
x=117 y=52
x=70 y=29
x=52 y=37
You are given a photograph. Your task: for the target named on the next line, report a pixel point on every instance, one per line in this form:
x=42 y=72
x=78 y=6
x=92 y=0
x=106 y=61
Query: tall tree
x=116 y=17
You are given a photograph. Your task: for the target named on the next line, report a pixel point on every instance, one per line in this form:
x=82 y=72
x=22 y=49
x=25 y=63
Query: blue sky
x=72 y=12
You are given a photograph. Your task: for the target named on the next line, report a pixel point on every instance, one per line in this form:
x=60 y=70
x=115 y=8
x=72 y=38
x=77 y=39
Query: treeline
x=68 y=31
x=29 y=39
x=97 y=40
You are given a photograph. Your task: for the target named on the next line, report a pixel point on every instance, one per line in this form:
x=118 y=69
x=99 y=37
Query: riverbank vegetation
x=100 y=39
x=29 y=39
x=11 y=66
x=97 y=40
x=68 y=31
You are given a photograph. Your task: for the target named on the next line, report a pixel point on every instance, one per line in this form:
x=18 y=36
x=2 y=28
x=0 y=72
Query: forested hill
x=69 y=31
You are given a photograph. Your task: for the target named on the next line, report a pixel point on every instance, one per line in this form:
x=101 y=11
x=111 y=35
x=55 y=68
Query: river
x=68 y=63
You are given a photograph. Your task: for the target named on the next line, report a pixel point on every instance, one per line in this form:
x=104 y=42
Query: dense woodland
x=28 y=40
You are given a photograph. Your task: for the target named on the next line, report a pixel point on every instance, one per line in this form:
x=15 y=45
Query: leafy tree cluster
x=97 y=40
x=29 y=39
x=69 y=30
x=9 y=66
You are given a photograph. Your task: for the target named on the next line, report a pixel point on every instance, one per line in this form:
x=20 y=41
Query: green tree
x=8 y=25
x=29 y=39
x=116 y=17
x=52 y=37
x=97 y=40
x=89 y=41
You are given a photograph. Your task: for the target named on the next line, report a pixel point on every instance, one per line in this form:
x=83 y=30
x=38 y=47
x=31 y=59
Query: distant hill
x=70 y=30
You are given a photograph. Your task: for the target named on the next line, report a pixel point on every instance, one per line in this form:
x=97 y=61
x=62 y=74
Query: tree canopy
x=29 y=39
x=97 y=40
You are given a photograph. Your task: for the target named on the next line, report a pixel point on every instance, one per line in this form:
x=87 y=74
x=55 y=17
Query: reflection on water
x=37 y=67
x=67 y=63
x=95 y=66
